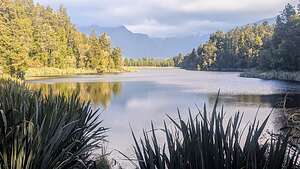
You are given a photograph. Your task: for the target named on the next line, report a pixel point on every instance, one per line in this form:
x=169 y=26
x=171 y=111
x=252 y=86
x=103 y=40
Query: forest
x=32 y=35
x=259 y=46
x=149 y=62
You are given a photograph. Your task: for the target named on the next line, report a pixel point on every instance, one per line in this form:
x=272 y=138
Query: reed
x=46 y=132
x=207 y=142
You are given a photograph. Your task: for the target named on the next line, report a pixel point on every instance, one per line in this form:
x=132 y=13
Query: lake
x=135 y=99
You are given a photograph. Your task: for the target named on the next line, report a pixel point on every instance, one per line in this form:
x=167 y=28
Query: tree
x=5 y=33
x=117 y=57
x=209 y=56
x=237 y=49
x=31 y=34
x=106 y=61
x=178 y=60
x=94 y=53
x=15 y=38
x=282 y=53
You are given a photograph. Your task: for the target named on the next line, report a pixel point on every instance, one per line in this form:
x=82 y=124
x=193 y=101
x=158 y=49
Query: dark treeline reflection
x=98 y=92
x=274 y=100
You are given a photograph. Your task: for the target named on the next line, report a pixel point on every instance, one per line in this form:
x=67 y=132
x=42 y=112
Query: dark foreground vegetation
x=205 y=142
x=46 y=132
x=263 y=46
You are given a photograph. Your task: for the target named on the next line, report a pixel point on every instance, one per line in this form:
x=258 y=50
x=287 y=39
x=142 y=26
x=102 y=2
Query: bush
x=46 y=132
x=206 y=143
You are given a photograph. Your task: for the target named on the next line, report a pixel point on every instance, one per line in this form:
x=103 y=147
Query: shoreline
x=264 y=75
x=272 y=75
x=151 y=67
x=33 y=73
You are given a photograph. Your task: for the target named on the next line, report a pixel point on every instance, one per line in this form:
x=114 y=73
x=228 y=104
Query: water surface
x=136 y=99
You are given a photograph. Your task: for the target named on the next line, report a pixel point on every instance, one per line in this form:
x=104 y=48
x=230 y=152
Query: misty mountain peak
x=141 y=45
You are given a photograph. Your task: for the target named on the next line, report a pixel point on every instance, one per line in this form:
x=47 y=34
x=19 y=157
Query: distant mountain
x=269 y=20
x=141 y=45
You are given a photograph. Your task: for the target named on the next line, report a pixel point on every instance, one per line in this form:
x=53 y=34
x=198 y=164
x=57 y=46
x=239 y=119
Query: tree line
x=32 y=35
x=260 y=46
x=149 y=62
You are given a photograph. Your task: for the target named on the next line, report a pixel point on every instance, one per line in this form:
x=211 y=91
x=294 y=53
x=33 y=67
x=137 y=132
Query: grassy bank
x=272 y=75
x=50 y=71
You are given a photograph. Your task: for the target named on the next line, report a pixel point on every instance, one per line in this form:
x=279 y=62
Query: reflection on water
x=272 y=100
x=99 y=93
x=148 y=95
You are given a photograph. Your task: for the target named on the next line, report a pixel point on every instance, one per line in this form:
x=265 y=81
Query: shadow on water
x=283 y=106
x=273 y=100
x=100 y=93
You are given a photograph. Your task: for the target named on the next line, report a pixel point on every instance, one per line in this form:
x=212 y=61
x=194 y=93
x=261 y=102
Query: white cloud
x=169 y=17
x=193 y=27
x=152 y=27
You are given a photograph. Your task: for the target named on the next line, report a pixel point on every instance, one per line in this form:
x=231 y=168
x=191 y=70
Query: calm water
x=136 y=99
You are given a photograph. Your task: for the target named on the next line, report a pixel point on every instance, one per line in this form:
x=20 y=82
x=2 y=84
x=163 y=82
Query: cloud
x=169 y=17
x=192 y=27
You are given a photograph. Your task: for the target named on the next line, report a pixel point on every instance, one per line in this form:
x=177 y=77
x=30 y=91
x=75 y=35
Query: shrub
x=46 y=132
x=205 y=142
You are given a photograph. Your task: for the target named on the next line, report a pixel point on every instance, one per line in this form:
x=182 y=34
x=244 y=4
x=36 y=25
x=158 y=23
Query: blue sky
x=165 y=18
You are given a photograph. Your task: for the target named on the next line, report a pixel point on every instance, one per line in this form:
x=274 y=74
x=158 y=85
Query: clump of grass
x=206 y=142
x=46 y=132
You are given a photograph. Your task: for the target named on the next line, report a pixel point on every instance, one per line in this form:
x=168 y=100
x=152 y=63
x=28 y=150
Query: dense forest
x=149 y=62
x=32 y=35
x=263 y=46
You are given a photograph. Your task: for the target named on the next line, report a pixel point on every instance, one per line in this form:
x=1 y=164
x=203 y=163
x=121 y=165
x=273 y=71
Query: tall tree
x=31 y=34
x=117 y=57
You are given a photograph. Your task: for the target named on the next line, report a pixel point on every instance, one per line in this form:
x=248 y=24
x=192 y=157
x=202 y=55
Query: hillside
x=141 y=45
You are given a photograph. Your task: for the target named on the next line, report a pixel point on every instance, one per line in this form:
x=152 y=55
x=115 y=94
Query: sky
x=169 y=18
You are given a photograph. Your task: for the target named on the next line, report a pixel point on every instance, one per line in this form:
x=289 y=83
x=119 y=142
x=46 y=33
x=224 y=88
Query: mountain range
x=136 y=45
x=268 y=20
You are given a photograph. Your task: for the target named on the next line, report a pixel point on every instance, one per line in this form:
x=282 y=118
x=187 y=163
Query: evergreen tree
x=237 y=49
x=31 y=34
x=283 y=52
x=106 y=61
x=117 y=57
x=95 y=52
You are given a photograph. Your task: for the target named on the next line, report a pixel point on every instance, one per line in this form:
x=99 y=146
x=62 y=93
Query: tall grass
x=207 y=142
x=33 y=73
x=46 y=132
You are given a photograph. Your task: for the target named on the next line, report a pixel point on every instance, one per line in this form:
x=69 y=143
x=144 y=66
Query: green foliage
x=31 y=34
x=207 y=142
x=46 y=132
x=117 y=57
x=178 y=60
x=237 y=49
x=282 y=52
x=149 y=62
x=264 y=46
x=103 y=163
